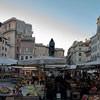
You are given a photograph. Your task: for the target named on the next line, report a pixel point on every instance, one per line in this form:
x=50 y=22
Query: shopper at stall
x=49 y=92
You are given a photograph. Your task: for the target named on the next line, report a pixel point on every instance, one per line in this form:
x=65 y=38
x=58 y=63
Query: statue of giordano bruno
x=51 y=47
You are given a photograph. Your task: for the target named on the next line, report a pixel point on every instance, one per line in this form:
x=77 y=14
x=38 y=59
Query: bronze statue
x=51 y=47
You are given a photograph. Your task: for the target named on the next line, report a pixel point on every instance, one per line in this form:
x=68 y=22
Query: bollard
x=68 y=94
x=58 y=94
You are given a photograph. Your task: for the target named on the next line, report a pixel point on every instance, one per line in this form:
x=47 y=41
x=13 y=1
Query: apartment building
x=77 y=52
x=59 y=52
x=27 y=48
x=41 y=50
x=4 y=46
x=14 y=30
x=95 y=43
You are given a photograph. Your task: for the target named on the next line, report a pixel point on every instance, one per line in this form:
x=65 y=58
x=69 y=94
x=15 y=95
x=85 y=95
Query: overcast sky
x=63 y=20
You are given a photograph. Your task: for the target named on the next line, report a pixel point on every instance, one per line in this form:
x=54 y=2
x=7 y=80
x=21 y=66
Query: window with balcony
x=5 y=49
x=26 y=50
x=79 y=59
x=30 y=57
x=97 y=55
x=2 y=48
x=22 y=58
x=3 y=41
x=17 y=56
x=26 y=57
x=2 y=54
x=80 y=54
x=0 y=39
x=17 y=49
x=79 y=49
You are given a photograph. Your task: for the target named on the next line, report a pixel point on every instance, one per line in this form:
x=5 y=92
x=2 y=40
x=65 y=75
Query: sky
x=63 y=20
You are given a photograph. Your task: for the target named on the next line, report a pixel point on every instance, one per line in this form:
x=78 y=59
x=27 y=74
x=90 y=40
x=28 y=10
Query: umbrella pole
x=44 y=84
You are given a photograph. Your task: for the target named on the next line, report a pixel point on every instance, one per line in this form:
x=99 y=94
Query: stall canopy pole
x=44 y=83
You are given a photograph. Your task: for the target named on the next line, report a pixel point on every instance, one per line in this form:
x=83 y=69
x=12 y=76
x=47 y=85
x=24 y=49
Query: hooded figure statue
x=51 y=47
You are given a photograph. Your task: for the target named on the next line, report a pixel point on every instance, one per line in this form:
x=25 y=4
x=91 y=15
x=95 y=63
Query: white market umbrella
x=89 y=64
x=47 y=60
x=55 y=66
x=71 y=67
x=93 y=63
x=7 y=61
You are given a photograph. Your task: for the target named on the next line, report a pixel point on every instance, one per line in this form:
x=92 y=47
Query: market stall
x=6 y=89
x=13 y=90
x=43 y=61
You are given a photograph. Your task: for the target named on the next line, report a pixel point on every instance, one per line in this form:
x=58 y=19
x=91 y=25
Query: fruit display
x=29 y=91
x=85 y=97
x=4 y=90
x=40 y=89
x=94 y=97
x=91 y=97
x=32 y=90
x=17 y=89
